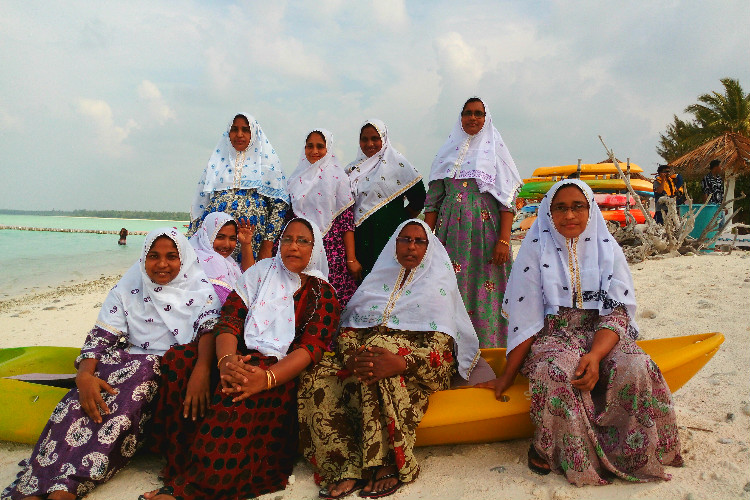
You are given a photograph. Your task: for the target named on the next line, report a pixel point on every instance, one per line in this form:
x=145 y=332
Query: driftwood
x=672 y=237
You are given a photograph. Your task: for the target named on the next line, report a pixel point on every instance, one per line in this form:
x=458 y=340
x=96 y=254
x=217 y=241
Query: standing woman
x=470 y=205
x=243 y=178
x=320 y=192
x=162 y=300
x=600 y=405
x=381 y=178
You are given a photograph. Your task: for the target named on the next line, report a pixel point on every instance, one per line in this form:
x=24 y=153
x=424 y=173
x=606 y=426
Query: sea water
x=34 y=261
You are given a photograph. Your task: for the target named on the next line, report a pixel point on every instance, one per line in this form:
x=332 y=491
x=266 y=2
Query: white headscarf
x=380 y=178
x=260 y=169
x=428 y=301
x=222 y=271
x=268 y=289
x=549 y=267
x=320 y=191
x=483 y=157
x=155 y=317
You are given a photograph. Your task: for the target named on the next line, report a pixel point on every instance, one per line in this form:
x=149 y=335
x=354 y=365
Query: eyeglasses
x=301 y=242
x=469 y=113
x=577 y=208
x=405 y=240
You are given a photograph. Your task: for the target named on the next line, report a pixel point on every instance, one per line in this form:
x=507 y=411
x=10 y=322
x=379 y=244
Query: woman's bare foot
x=61 y=495
x=384 y=478
x=155 y=495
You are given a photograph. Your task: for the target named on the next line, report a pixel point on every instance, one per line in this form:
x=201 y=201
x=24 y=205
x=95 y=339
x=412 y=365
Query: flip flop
x=537 y=469
x=383 y=493
x=358 y=485
x=164 y=490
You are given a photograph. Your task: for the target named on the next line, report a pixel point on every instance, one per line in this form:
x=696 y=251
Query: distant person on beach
x=601 y=407
x=214 y=243
x=669 y=185
x=713 y=184
x=163 y=299
x=382 y=179
x=244 y=178
x=123 y=237
x=278 y=321
x=320 y=191
x=403 y=336
x=470 y=204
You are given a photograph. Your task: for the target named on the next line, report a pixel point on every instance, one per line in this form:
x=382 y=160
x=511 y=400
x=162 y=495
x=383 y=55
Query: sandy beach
x=676 y=296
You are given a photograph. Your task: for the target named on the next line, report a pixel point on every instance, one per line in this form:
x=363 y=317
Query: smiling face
x=239 y=133
x=570 y=211
x=370 y=141
x=315 y=147
x=411 y=245
x=472 y=117
x=162 y=261
x=296 y=246
x=226 y=240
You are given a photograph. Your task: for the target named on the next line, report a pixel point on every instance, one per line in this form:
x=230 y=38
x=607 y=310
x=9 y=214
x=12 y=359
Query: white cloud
x=459 y=60
x=155 y=102
x=390 y=14
x=111 y=136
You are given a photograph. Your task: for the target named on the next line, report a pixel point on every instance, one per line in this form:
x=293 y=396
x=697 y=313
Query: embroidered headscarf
x=320 y=191
x=550 y=269
x=380 y=178
x=257 y=167
x=483 y=157
x=222 y=271
x=155 y=317
x=267 y=289
x=429 y=300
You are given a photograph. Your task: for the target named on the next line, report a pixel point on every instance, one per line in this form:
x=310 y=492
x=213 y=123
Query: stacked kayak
x=466 y=415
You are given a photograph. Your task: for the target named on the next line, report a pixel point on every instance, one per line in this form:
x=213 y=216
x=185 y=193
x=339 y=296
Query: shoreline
x=676 y=296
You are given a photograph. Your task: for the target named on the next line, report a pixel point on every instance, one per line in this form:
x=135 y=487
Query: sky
x=117 y=105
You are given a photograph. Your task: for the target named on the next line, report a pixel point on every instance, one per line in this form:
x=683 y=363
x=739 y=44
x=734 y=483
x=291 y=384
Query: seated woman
x=278 y=321
x=400 y=336
x=600 y=405
x=320 y=191
x=215 y=241
x=164 y=299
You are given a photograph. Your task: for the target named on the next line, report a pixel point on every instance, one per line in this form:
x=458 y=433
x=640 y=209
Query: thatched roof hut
x=731 y=149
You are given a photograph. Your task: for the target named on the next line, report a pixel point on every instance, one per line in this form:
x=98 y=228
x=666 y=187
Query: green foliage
x=106 y=214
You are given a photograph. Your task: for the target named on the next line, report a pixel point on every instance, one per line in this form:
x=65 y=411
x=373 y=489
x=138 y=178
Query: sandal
x=535 y=457
x=164 y=490
x=386 y=492
x=325 y=493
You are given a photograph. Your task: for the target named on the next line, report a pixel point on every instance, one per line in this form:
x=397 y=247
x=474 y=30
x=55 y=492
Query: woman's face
x=370 y=141
x=162 y=261
x=570 y=211
x=411 y=245
x=296 y=246
x=239 y=133
x=315 y=147
x=472 y=117
x=226 y=240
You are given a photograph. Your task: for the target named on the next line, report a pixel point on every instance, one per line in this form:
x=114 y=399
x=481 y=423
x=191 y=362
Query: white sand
x=687 y=295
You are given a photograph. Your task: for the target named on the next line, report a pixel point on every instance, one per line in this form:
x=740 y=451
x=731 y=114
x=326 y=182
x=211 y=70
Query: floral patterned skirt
x=625 y=427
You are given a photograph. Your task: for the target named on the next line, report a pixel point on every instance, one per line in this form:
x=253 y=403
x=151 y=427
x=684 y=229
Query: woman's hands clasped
x=371 y=364
x=240 y=378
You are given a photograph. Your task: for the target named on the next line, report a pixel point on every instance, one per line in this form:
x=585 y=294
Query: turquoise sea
x=32 y=261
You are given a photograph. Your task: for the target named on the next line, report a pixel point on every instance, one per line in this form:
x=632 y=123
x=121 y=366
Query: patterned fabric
x=588 y=272
x=372 y=234
x=624 y=427
x=73 y=453
x=469 y=226
x=222 y=272
x=242 y=449
x=333 y=242
x=347 y=427
x=265 y=213
x=713 y=187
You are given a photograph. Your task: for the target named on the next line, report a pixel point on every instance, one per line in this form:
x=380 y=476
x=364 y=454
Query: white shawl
x=483 y=157
x=548 y=266
x=428 y=301
x=268 y=289
x=222 y=271
x=320 y=191
x=155 y=317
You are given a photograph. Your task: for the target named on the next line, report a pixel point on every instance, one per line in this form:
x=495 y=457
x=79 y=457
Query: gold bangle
x=268 y=380
x=503 y=241
x=273 y=378
x=218 y=363
x=351 y=261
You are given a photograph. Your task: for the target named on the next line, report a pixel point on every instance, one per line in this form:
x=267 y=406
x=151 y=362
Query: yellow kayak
x=467 y=415
x=586 y=168
x=473 y=415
